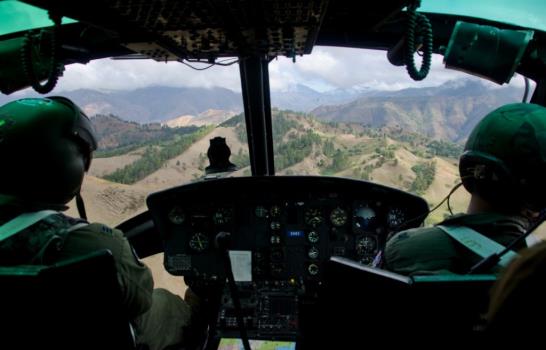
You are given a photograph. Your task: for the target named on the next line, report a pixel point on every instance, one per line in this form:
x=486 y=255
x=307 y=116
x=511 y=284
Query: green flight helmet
x=504 y=160
x=46 y=146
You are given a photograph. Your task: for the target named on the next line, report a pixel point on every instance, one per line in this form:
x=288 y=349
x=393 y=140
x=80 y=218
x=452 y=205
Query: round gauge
x=338 y=217
x=364 y=217
x=199 y=242
x=275 y=211
x=221 y=216
x=177 y=215
x=313 y=269
x=275 y=239
x=365 y=245
x=275 y=225
x=395 y=217
x=313 y=253
x=313 y=237
x=260 y=211
x=313 y=217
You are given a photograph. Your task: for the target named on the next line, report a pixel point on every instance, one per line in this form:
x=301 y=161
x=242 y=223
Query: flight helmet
x=504 y=159
x=46 y=146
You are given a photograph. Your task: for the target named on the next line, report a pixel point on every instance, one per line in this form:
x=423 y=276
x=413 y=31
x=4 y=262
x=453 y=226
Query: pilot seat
x=74 y=304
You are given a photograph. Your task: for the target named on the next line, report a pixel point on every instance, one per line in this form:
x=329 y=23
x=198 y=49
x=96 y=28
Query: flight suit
x=159 y=317
x=430 y=250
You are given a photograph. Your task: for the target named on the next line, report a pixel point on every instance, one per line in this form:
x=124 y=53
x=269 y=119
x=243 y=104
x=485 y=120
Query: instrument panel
x=288 y=226
x=282 y=231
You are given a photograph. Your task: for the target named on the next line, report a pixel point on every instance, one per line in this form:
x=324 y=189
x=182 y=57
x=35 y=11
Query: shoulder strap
x=22 y=222
x=478 y=243
x=77 y=226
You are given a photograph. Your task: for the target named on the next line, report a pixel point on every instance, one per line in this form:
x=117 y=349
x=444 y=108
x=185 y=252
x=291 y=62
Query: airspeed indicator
x=199 y=242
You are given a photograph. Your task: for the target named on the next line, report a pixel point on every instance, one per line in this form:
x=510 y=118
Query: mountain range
x=302 y=98
x=151 y=104
x=448 y=111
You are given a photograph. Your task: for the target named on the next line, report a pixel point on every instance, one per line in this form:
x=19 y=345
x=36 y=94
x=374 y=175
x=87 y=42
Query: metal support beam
x=256 y=98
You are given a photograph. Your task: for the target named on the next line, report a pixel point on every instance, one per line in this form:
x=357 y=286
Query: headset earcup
x=466 y=175
x=486 y=175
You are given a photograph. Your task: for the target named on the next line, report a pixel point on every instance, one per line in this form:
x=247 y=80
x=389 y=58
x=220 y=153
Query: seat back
x=75 y=304
x=359 y=302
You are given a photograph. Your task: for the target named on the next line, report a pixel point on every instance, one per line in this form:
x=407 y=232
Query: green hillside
x=306 y=146
x=117 y=136
x=155 y=154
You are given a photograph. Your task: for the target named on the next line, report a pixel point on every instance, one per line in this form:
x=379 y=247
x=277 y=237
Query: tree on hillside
x=328 y=149
x=295 y=150
x=425 y=173
x=340 y=161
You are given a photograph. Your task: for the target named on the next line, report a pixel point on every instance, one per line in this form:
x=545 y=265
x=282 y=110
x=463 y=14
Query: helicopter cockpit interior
x=269 y=244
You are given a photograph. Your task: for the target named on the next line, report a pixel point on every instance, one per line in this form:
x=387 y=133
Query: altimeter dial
x=338 y=217
x=395 y=217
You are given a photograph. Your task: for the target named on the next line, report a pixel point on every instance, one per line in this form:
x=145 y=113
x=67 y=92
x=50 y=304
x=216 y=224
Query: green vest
x=39 y=242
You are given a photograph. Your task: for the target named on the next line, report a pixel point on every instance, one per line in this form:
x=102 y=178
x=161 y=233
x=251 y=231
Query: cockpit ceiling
x=207 y=29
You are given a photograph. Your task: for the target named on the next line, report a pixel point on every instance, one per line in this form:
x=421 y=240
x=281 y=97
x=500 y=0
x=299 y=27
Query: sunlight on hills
x=108 y=202
x=104 y=166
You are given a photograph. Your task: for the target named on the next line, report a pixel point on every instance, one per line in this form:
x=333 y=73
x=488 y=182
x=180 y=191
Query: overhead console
x=283 y=230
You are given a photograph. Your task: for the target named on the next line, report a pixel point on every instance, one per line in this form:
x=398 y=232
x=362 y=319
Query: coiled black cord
x=55 y=66
x=417 y=21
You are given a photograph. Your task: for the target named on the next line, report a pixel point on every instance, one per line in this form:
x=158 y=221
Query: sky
x=327 y=68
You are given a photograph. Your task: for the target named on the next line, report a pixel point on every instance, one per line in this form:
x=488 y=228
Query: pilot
x=46 y=146
x=503 y=166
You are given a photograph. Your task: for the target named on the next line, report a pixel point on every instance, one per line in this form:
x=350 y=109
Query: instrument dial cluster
x=354 y=229
x=281 y=229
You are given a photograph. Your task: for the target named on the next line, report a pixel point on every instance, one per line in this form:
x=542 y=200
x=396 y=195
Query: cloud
x=107 y=74
x=343 y=68
x=326 y=68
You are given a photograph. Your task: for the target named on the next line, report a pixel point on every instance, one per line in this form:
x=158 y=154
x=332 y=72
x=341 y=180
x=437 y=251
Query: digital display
x=236 y=344
x=295 y=234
